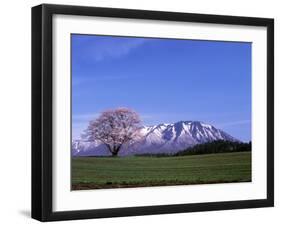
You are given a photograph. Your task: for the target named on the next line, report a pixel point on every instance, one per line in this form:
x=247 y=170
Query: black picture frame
x=42 y=111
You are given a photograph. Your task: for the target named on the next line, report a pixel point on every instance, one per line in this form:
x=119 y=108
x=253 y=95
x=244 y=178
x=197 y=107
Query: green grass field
x=116 y=172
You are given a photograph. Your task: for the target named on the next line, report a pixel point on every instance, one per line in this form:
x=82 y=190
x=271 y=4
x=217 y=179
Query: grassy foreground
x=117 y=172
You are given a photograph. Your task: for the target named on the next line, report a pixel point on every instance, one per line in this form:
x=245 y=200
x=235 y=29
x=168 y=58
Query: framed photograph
x=145 y=112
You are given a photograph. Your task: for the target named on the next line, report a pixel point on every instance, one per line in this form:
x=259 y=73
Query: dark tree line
x=219 y=146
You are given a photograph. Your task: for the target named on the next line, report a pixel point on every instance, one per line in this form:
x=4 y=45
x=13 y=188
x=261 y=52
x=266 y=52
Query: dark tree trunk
x=114 y=154
x=115 y=151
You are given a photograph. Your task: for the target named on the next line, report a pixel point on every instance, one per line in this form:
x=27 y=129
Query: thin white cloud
x=80 y=81
x=147 y=116
x=84 y=117
x=108 y=47
x=80 y=123
x=116 y=49
x=78 y=128
x=235 y=123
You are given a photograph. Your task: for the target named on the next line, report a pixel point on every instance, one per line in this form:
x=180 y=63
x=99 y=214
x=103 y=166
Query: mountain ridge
x=162 y=138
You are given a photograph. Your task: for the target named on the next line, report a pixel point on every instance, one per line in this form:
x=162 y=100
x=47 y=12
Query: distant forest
x=219 y=146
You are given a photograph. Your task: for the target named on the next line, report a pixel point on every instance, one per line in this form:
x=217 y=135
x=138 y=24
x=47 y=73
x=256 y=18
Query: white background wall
x=15 y=118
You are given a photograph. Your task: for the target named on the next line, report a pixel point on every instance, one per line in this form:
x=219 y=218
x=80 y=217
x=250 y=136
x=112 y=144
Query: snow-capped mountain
x=162 y=138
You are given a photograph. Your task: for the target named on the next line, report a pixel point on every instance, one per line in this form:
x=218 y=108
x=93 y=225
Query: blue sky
x=164 y=80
